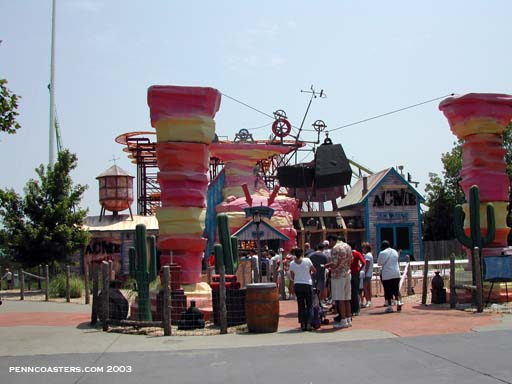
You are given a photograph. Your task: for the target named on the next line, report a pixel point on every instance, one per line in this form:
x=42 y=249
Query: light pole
x=256 y=218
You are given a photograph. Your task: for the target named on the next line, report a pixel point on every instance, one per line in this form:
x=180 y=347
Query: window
x=399 y=236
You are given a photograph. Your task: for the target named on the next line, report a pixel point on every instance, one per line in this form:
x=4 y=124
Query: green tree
x=443 y=194
x=438 y=220
x=8 y=109
x=46 y=225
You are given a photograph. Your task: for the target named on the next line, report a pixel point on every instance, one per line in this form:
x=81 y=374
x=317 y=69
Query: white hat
x=325 y=242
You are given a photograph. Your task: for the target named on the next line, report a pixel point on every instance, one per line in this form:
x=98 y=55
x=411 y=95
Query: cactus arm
x=476 y=239
x=491 y=226
x=224 y=239
x=458 y=227
x=139 y=270
x=219 y=257
x=234 y=248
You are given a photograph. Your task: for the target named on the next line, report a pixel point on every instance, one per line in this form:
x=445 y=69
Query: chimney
x=365 y=185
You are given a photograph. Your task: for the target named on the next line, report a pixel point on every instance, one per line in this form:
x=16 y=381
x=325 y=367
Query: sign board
x=498 y=268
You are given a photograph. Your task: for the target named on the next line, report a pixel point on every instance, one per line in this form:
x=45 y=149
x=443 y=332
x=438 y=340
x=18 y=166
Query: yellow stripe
x=477 y=125
x=198 y=129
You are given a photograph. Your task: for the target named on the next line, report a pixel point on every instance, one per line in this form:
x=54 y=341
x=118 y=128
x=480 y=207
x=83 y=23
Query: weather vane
x=114 y=158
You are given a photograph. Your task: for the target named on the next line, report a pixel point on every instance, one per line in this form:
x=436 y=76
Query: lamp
x=256 y=218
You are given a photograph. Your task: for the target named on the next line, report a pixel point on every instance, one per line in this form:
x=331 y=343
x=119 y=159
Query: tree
x=8 y=107
x=443 y=194
x=46 y=225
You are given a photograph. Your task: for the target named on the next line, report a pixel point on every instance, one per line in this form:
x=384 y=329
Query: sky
x=369 y=58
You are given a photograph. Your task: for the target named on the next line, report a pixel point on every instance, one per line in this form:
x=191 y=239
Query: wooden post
x=86 y=283
x=22 y=284
x=453 y=296
x=209 y=271
x=68 y=289
x=166 y=313
x=95 y=286
x=47 y=281
x=409 y=277
x=479 y=285
x=105 y=293
x=222 y=301
x=424 y=293
x=40 y=274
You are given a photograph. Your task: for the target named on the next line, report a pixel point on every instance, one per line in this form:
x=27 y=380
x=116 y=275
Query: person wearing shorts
x=341 y=258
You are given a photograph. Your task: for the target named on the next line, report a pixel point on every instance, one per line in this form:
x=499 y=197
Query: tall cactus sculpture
x=139 y=269
x=226 y=253
x=475 y=239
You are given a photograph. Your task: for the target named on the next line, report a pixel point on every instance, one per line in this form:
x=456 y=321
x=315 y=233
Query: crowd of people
x=341 y=276
x=335 y=272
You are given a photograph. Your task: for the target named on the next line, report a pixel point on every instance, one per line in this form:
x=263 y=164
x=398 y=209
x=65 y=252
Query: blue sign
x=392 y=215
x=498 y=268
x=262 y=210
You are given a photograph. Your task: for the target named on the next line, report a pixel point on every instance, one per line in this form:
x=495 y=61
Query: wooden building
x=384 y=206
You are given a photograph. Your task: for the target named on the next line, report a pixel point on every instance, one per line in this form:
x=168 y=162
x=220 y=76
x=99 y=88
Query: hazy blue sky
x=370 y=57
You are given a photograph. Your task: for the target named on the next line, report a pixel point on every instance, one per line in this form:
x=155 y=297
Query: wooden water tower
x=116 y=190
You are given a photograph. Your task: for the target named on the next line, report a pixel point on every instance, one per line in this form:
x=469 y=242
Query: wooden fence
x=442 y=249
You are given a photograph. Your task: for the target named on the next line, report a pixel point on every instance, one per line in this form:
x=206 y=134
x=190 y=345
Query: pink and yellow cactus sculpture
x=479 y=120
x=183 y=118
x=240 y=160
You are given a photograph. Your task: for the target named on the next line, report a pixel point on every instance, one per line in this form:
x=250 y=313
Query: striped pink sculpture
x=479 y=120
x=183 y=118
x=240 y=160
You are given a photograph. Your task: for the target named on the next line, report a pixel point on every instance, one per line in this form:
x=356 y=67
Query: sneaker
x=344 y=324
x=349 y=322
x=399 y=305
x=368 y=304
x=389 y=309
x=336 y=325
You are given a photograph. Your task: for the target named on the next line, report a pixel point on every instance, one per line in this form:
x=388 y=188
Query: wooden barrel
x=262 y=307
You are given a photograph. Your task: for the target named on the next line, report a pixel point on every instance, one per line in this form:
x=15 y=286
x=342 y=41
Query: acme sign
x=398 y=198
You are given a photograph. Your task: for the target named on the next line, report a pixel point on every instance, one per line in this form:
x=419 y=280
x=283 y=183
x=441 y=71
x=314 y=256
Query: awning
x=267 y=232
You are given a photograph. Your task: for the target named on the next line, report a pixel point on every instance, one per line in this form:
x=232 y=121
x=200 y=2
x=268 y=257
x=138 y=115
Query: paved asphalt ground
x=419 y=345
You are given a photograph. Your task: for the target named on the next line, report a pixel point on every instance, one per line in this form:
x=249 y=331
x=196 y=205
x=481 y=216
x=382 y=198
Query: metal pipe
x=51 y=160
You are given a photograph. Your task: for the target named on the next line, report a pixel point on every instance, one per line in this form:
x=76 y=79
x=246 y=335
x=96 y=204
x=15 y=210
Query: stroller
x=318 y=317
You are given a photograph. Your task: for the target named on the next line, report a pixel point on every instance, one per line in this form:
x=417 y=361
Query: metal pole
x=282 y=286
x=259 y=251
x=52 y=91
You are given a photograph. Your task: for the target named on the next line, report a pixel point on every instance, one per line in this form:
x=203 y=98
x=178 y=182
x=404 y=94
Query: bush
x=58 y=286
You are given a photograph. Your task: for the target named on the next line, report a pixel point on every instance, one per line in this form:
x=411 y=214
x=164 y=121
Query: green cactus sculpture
x=226 y=253
x=476 y=239
x=139 y=269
